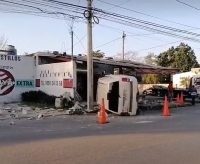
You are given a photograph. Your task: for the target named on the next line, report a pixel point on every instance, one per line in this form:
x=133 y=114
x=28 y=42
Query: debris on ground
x=71 y=107
x=40 y=116
x=12 y=123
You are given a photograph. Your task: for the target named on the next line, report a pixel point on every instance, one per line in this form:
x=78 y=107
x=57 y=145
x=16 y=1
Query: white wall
x=51 y=78
x=17 y=75
x=177 y=78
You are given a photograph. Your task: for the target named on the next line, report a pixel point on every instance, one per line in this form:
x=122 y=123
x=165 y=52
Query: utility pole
x=90 y=96
x=72 y=57
x=72 y=41
x=123 y=41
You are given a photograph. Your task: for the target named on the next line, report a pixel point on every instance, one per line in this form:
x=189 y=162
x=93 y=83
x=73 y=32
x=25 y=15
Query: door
x=113 y=97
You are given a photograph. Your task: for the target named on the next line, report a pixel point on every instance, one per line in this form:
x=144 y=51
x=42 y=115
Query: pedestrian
x=170 y=91
x=193 y=93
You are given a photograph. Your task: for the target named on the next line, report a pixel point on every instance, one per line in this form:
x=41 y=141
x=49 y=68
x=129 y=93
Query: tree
x=98 y=54
x=151 y=79
x=130 y=55
x=3 y=42
x=151 y=59
x=185 y=82
x=181 y=57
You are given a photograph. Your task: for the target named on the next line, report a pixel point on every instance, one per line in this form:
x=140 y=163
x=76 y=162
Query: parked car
x=156 y=91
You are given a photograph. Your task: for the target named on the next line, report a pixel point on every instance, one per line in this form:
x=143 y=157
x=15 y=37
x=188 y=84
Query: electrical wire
x=77 y=42
x=107 y=43
x=188 y=5
x=168 y=33
x=159 y=46
x=121 y=19
x=147 y=14
x=80 y=42
x=152 y=25
x=118 y=5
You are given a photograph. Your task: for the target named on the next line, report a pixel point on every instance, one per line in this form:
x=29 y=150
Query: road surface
x=145 y=139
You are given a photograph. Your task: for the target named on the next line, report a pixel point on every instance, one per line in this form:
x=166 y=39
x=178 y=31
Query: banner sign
x=8 y=82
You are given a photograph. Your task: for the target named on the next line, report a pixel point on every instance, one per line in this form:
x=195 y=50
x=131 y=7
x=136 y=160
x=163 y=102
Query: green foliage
x=185 y=82
x=98 y=54
x=151 y=59
x=38 y=97
x=181 y=57
x=150 y=79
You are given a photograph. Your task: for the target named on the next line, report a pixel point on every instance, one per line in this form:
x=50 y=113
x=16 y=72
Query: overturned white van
x=119 y=93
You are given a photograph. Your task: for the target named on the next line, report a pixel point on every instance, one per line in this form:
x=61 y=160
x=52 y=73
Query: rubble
x=40 y=116
x=12 y=123
x=17 y=111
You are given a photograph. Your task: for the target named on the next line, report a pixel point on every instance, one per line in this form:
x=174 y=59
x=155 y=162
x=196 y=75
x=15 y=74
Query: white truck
x=195 y=80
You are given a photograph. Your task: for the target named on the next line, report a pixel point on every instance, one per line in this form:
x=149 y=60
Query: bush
x=38 y=97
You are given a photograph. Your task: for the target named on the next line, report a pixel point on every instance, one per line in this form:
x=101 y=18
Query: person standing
x=193 y=93
x=170 y=91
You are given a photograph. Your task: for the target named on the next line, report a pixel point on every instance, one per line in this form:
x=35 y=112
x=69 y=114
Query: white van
x=119 y=92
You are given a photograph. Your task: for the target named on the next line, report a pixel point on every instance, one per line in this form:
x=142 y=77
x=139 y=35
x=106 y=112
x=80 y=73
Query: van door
x=113 y=97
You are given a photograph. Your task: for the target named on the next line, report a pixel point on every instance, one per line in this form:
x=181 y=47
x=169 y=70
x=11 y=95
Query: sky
x=31 y=34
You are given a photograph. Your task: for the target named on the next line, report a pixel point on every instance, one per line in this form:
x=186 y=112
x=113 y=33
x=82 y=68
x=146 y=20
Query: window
x=64 y=74
x=58 y=74
x=196 y=81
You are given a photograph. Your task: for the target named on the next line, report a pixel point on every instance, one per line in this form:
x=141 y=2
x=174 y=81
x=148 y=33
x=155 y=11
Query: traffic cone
x=102 y=117
x=181 y=98
x=178 y=99
x=166 y=108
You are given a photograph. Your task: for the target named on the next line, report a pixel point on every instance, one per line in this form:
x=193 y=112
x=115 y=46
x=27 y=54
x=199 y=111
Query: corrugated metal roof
x=138 y=67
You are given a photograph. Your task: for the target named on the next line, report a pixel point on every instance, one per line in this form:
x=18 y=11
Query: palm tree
x=185 y=82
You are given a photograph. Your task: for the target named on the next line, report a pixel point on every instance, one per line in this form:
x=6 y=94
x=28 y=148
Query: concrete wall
x=55 y=79
x=17 y=75
x=142 y=87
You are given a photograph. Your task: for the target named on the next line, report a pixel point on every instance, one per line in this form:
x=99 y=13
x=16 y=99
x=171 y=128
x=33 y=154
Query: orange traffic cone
x=181 y=98
x=102 y=116
x=178 y=99
x=166 y=108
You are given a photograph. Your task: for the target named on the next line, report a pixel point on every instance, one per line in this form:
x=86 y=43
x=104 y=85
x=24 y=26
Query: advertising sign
x=8 y=82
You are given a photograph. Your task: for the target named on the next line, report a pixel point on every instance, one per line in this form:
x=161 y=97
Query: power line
x=80 y=41
x=119 y=5
x=152 y=25
x=188 y=5
x=144 y=27
x=149 y=26
x=146 y=14
x=108 y=43
x=132 y=34
x=158 y=46
x=155 y=47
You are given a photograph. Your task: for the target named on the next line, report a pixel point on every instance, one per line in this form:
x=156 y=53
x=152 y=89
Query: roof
x=138 y=67
x=185 y=73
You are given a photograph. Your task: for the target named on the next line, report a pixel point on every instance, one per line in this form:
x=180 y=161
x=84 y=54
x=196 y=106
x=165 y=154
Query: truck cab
x=195 y=80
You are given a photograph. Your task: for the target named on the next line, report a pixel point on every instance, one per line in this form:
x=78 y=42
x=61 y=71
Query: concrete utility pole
x=123 y=41
x=72 y=41
x=90 y=96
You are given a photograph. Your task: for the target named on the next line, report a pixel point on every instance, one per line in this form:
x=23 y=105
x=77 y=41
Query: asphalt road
x=145 y=139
